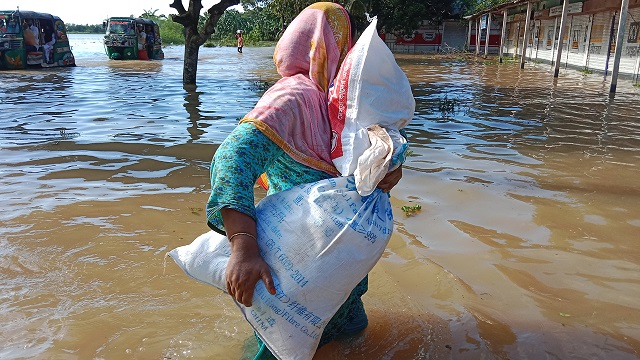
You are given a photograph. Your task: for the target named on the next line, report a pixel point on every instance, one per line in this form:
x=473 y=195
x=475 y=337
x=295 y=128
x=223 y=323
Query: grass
x=585 y=71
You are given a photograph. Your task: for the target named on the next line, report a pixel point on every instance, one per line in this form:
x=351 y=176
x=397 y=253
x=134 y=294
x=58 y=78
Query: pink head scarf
x=293 y=112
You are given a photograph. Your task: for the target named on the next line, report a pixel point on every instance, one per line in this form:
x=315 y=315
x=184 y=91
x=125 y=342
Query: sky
x=94 y=12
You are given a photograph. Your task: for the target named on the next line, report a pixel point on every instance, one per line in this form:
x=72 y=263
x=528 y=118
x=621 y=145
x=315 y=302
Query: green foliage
x=404 y=16
x=85 y=29
x=151 y=14
x=287 y=10
x=410 y=210
x=258 y=25
x=476 y=6
x=171 y=32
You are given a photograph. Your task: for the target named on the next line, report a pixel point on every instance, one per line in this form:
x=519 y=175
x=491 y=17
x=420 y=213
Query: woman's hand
x=390 y=180
x=245 y=268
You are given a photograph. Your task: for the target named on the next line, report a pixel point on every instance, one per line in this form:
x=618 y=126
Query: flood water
x=527 y=245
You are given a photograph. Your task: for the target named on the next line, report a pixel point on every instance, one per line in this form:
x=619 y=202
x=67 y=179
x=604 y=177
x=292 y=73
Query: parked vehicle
x=128 y=38
x=33 y=39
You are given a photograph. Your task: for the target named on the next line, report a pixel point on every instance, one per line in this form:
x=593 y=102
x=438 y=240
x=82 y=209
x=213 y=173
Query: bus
x=30 y=39
x=128 y=38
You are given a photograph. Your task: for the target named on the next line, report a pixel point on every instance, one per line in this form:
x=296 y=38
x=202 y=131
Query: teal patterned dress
x=243 y=156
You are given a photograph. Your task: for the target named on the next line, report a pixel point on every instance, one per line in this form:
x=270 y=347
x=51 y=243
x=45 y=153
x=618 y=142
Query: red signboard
x=421 y=37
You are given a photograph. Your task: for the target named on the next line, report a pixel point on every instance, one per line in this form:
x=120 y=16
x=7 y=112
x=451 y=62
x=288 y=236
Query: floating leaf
x=564 y=314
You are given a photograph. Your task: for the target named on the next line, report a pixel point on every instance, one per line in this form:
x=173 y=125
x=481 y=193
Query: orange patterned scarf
x=293 y=112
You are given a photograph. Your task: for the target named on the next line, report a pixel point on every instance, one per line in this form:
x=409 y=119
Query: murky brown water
x=527 y=245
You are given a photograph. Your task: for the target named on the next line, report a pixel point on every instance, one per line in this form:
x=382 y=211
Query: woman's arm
x=238 y=162
x=246 y=265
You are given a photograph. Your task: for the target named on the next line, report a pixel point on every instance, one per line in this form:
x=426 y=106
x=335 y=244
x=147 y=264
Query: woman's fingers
x=268 y=282
x=246 y=297
x=241 y=285
x=390 y=180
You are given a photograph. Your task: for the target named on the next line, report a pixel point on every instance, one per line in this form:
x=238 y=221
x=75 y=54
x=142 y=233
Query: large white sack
x=320 y=240
x=370 y=88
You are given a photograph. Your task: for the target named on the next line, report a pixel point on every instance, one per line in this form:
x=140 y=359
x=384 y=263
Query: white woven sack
x=370 y=88
x=320 y=240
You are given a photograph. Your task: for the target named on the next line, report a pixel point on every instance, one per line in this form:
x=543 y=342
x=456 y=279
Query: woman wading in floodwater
x=286 y=138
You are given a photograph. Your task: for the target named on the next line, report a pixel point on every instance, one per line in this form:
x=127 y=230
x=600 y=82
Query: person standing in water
x=240 y=40
x=49 y=41
x=150 y=42
x=142 y=38
x=287 y=136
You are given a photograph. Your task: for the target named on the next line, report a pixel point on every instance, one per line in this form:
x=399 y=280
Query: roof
x=137 y=19
x=31 y=14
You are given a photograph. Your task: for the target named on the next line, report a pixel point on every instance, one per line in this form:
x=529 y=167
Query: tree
x=404 y=16
x=286 y=10
x=399 y=16
x=150 y=14
x=195 y=35
x=258 y=24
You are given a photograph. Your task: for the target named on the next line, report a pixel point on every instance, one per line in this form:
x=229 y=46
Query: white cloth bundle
x=370 y=89
x=319 y=240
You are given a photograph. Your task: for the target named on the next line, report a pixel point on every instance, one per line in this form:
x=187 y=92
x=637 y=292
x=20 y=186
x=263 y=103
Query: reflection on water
x=526 y=245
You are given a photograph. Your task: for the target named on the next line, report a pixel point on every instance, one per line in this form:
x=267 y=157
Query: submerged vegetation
x=410 y=210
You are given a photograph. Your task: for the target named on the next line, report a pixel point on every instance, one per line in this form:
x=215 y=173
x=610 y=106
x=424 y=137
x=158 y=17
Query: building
x=594 y=35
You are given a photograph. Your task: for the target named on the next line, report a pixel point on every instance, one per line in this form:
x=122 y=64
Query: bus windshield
x=120 y=27
x=9 y=24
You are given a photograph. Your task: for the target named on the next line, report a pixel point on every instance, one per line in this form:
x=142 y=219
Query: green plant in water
x=636 y=84
x=261 y=85
x=410 y=210
x=447 y=105
x=586 y=71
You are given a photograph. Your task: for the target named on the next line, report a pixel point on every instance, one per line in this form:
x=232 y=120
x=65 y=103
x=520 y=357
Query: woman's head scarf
x=293 y=112
x=315 y=44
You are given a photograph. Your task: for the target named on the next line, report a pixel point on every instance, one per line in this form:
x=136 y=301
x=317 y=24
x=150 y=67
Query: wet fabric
x=241 y=158
x=351 y=315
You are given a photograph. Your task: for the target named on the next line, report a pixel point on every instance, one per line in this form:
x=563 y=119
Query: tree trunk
x=191 y=51
x=195 y=37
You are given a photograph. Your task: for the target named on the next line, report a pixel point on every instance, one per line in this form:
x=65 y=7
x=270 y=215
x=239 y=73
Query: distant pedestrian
x=240 y=40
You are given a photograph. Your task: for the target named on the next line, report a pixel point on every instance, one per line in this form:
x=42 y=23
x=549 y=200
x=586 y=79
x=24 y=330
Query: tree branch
x=215 y=12
x=177 y=4
x=194 y=7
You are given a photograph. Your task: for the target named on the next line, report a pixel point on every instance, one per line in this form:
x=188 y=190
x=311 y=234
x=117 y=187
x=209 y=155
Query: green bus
x=129 y=38
x=30 y=39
